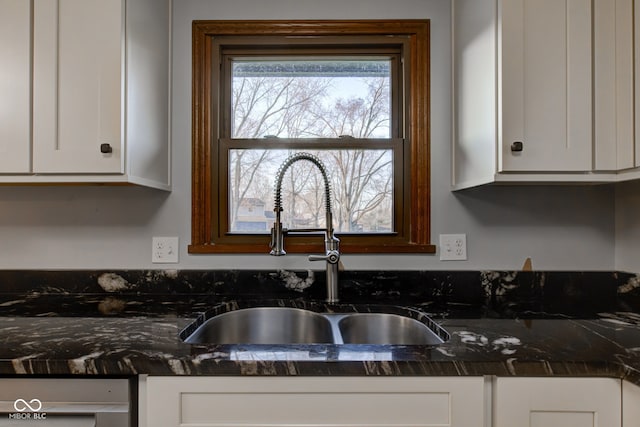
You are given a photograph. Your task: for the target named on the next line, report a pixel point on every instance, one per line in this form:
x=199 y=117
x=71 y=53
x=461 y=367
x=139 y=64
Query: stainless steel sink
x=383 y=328
x=264 y=325
x=382 y=325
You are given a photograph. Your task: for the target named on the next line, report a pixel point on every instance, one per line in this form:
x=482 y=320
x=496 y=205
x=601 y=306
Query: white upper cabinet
x=636 y=47
x=613 y=88
x=544 y=85
x=78 y=92
x=543 y=90
x=99 y=94
x=15 y=86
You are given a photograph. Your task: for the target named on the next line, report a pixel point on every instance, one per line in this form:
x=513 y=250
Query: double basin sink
x=372 y=325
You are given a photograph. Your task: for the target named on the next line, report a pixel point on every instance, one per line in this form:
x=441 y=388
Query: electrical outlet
x=453 y=247
x=164 y=250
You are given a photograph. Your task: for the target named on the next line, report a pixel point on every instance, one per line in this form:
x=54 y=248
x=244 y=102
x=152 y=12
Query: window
x=353 y=93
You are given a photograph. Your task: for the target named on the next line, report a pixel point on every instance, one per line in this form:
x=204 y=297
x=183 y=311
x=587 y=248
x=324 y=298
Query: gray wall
x=111 y=227
x=628 y=227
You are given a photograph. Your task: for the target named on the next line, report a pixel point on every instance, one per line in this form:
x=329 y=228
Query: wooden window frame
x=206 y=233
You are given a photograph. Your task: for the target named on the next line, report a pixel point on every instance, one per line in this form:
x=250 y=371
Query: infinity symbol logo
x=22 y=405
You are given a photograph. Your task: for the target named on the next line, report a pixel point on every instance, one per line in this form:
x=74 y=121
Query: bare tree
x=277 y=106
x=265 y=106
x=359 y=117
x=362 y=178
x=246 y=176
x=362 y=181
x=298 y=108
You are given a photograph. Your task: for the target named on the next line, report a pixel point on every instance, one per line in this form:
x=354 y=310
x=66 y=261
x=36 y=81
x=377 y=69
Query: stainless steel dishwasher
x=68 y=402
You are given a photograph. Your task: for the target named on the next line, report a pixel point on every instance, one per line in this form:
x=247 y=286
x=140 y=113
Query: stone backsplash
x=499 y=294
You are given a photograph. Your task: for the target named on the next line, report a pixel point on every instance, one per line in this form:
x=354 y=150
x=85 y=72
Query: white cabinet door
x=546 y=85
x=636 y=42
x=522 y=92
x=312 y=401
x=78 y=86
x=630 y=405
x=15 y=86
x=557 y=402
x=557 y=77
x=613 y=84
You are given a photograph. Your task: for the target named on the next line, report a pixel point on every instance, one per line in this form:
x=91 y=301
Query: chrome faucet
x=331 y=242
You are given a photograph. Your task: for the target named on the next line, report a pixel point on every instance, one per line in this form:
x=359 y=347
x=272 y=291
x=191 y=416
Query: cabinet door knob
x=106 y=148
x=517 y=146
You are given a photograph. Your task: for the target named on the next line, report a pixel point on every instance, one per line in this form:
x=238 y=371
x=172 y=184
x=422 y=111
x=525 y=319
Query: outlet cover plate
x=453 y=247
x=164 y=250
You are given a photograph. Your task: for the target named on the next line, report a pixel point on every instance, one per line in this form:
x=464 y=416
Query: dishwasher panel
x=68 y=402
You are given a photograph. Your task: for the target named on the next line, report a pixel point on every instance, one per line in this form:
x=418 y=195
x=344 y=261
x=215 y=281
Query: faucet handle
x=332 y=257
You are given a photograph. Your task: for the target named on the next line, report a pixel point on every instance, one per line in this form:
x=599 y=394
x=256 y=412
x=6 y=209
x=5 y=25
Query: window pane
x=311 y=98
x=361 y=185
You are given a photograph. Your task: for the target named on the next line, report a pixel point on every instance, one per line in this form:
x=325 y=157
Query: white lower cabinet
x=557 y=402
x=630 y=405
x=312 y=401
x=387 y=402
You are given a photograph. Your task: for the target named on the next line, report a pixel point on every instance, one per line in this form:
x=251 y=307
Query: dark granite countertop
x=122 y=334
